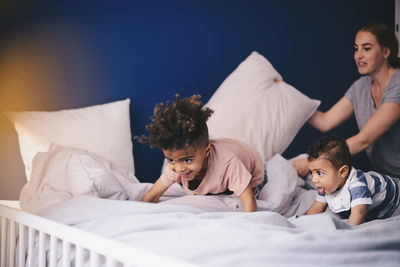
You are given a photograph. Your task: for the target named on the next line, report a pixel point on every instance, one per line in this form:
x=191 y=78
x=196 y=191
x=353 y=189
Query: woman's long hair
x=386 y=38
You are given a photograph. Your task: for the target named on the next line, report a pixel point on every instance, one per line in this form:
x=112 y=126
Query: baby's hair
x=178 y=124
x=332 y=148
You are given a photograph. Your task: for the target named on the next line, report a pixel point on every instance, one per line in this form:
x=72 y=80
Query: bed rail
x=30 y=240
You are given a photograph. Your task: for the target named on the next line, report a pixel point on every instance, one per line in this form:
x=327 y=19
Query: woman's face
x=369 y=55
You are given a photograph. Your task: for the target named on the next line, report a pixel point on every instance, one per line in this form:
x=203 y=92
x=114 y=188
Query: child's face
x=325 y=176
x=188 y=162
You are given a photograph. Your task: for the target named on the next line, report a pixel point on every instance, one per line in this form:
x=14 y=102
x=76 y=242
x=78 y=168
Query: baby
x=202 y=166
x=365 y=195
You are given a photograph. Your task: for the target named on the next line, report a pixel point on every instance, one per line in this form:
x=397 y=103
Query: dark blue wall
x=150 y=50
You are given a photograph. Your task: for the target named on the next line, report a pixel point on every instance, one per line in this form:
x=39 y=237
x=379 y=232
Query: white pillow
x=252 y=106
x=101 y=129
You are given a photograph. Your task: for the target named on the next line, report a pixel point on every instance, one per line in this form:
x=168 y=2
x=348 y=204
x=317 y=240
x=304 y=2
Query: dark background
x=67 y=54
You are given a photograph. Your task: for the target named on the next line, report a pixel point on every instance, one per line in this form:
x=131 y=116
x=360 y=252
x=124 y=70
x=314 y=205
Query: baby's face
x=188 y=162
x=325 y=176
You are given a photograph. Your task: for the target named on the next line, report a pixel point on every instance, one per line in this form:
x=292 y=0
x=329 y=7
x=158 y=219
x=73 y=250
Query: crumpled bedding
x=64 y=173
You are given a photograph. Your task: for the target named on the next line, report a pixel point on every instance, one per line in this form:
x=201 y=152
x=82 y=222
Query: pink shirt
x=231 y=165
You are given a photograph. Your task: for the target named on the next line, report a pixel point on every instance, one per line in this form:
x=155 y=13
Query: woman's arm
x=155 y=192
x=383 y=119
x=317 y=207
x=357 y=215
x=337 y=114
x=248 y=200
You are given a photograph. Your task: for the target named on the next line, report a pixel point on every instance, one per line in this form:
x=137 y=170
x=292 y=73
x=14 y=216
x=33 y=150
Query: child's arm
x=317 y=207
x=248 y=200
x=357 y=215
x=155 y=192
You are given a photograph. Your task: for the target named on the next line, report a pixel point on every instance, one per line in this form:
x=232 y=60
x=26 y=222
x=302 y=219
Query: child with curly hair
x=350 y=193
x=202 y=166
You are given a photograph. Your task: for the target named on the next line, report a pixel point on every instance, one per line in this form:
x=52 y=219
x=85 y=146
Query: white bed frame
x=21 y=230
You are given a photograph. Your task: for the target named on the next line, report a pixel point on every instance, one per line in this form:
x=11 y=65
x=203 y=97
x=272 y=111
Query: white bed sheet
x=234 y=238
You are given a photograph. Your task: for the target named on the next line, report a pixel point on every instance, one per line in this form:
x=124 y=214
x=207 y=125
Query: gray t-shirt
x=384 y=154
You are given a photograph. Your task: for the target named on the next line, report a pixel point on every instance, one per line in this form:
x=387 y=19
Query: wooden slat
x=22 y=245
x=66 y=254
x=53 y=251
x=3 y=251
x=79 y=256
x=11 y=244
x=42 y=249
x=94 y=259
x=31 y=243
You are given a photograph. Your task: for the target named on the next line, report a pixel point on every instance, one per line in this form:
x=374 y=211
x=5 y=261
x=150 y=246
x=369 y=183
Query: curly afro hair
x=178 y=124
x=333 y=148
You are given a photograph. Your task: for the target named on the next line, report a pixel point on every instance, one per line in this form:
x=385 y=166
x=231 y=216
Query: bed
x=102 y=232
x=80 y=204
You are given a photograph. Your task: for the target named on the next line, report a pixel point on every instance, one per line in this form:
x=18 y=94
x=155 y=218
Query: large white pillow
x=255 y=106
x=101 y=129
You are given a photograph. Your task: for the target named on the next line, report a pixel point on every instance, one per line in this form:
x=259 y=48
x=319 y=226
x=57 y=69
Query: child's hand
x=155 y=192
x=248 y=200
x=317 y=207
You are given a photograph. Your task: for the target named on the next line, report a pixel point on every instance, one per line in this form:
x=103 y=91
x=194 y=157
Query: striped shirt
x=379 y=192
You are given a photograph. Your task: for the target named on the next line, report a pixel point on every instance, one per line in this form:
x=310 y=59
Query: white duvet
x=82 y=190
x=234 y=238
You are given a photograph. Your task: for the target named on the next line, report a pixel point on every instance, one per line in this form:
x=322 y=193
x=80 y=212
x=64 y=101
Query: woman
x=374 y=99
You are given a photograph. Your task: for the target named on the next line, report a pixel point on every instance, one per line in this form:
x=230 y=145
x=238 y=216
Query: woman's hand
x=301 y=167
